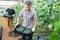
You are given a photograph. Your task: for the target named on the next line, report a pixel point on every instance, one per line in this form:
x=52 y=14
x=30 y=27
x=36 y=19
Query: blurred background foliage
x=1 y=23
x=56 y=34
x=17 y=9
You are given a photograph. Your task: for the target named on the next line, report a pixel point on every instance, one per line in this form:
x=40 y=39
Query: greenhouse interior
x=42 y=21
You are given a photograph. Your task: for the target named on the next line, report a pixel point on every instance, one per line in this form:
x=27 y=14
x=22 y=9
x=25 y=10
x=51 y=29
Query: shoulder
x=33 y=11
x=22 y=10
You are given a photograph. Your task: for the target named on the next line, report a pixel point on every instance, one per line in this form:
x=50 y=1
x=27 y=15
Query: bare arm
x=36 y=23
x=18 y=19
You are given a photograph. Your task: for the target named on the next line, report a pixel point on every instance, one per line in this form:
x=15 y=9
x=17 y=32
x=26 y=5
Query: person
x=29 y=17
x=10 y=11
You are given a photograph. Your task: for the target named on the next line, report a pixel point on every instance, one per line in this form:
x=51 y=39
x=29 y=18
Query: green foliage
x=56 y=11
x=2 y=11
x=56 y=34
x=57 y=25
x=0 y=21
x=47 y=14
x=44 y=16
x=17 y=8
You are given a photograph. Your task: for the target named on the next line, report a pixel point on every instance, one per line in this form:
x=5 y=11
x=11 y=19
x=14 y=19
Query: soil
x=6 y=31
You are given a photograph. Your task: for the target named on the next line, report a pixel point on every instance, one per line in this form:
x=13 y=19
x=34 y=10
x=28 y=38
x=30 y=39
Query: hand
x=33 y=29
x=13 y=15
